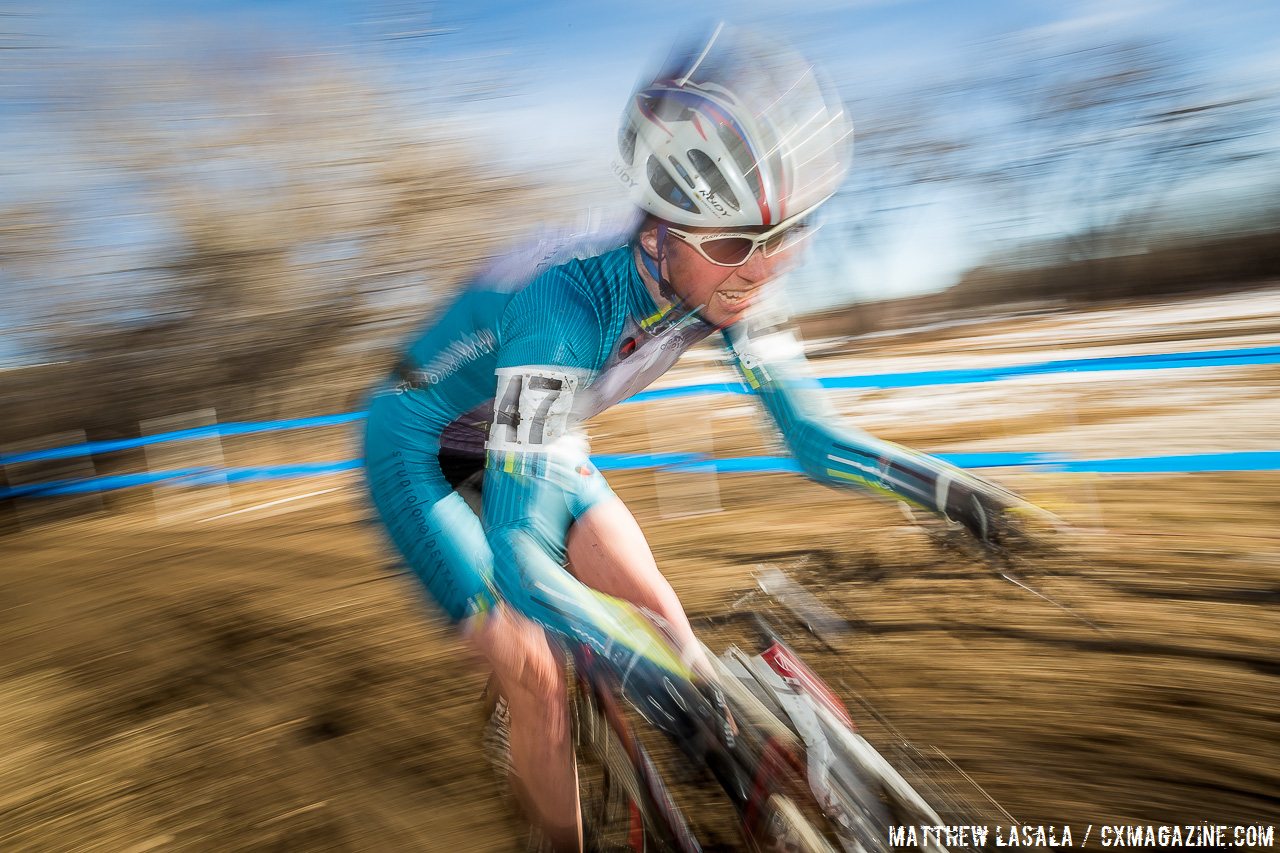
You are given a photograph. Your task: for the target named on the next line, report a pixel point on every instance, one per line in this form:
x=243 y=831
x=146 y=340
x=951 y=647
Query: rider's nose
x=758 y=268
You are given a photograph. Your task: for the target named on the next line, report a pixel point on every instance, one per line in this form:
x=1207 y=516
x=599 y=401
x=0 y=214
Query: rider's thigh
x=607 y=551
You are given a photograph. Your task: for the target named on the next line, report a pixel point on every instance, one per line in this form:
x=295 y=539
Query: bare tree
x=1053 y=153
x=246 y=231
x=1086 y=143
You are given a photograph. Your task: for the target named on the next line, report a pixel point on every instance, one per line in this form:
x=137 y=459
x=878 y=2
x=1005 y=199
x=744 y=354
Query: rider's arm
x=771 y=360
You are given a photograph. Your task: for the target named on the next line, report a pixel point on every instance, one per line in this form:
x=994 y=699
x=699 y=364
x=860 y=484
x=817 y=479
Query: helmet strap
x=654 y=268
x=664 y=284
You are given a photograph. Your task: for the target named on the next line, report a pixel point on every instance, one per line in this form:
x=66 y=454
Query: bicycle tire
x=785 y=828
x=852 y=804
x=613 y=814
x=632 y=792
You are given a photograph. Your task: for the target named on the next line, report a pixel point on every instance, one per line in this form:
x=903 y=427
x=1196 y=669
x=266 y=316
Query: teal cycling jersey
x=591 y=317
x=502 y=380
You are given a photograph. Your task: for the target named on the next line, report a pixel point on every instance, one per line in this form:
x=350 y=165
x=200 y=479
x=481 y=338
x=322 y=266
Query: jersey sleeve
x=770 y=358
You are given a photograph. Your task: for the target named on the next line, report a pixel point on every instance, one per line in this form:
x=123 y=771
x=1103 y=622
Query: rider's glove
x=996 y=519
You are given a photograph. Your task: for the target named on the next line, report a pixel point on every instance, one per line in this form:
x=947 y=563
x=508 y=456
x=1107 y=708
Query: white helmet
x=735 y=131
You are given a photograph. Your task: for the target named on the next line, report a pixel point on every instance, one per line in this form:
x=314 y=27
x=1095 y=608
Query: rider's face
x=726 y=292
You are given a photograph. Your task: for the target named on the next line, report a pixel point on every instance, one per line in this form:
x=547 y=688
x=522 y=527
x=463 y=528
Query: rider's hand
x=997 y=520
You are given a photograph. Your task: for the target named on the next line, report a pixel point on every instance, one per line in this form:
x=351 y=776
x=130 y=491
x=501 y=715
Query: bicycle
x=752 y=757
x=771 y=734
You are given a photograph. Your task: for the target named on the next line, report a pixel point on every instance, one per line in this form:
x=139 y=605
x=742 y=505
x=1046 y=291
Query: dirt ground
x=269 y=679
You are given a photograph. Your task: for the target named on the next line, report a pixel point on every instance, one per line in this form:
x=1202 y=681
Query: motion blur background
x=229 y=212
x=252 y=194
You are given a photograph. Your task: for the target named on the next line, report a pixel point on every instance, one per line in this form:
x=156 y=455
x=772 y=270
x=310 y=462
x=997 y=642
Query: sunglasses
x=734 y=248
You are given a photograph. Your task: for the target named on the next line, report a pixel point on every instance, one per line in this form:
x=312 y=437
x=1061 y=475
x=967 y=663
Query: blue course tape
x=178 y=477
x=231 y=428
x=921 y=378
x=1264 y=460
x=689 y=391
x=785 y=464
x=1210 y=358
x=741 y=465
x=631 y=461
x=689 y=463
x=1258 y=460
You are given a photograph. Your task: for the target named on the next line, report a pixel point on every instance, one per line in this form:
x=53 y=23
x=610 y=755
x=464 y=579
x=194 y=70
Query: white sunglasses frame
x=759 y=241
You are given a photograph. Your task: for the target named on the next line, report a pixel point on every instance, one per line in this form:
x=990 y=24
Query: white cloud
x=1094 y=16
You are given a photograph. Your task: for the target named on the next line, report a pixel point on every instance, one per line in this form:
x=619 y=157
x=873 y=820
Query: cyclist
x=728 y=152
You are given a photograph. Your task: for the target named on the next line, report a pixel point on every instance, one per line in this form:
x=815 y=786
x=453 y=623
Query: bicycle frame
x=846 y=774
x=754 y=765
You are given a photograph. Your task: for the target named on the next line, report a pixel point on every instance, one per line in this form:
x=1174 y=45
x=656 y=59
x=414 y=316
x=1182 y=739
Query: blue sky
x=568 y=65
x=576 y=59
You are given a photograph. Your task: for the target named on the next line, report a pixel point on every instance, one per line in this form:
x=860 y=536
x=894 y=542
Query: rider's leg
x=531 y=678
x=608 y=551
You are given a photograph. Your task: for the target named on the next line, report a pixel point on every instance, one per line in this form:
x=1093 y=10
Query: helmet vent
x=666 y=188
x=713 y=176
x=680 y=170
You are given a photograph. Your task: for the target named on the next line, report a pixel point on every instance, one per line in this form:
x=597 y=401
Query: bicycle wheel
x=612 y=817
x=784 y=828
x=625 y=803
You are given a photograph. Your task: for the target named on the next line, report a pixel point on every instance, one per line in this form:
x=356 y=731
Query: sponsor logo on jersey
x=453 y=358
